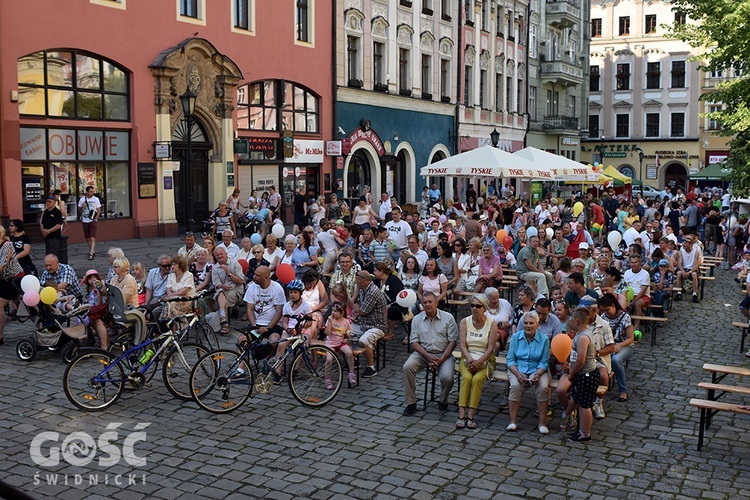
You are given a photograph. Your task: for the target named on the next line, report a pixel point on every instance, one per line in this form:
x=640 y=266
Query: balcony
x=558 y=122
x=563 y=72
x=563 y=14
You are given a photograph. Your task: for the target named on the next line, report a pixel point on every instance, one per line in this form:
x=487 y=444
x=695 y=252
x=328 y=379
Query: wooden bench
x=744 y=326
x=718 y=372
x=708 y=409
x=702 y=280
x=651 y=323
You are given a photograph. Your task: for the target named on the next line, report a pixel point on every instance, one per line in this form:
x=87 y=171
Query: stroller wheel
x=26 y=350
x=69 y=352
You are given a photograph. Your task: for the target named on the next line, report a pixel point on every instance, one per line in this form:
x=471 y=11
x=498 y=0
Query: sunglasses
x=477 y=306
x=165 y=266
x=190 y=233
x=257 y=253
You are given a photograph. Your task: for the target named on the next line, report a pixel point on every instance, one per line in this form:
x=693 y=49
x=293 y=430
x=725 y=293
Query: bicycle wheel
x=87 y=386
x=316 y=376
x=203 y=334
x=178 y=364
x=221 y=381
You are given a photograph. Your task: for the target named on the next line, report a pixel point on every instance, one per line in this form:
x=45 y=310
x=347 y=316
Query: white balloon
x=278 y=231
x=30 y=283
x=406 y=298
x=614 y=238
x=550 y=233
x=531 y=232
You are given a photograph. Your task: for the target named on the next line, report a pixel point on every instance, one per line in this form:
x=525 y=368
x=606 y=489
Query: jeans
x=618 y=366
x=659 y=298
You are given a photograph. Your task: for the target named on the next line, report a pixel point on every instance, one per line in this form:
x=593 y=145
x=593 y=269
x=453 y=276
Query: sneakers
x=579 y=437
x=277 y=378
x=442 y=406
x=511 y=427
x=598 y=409
x=569 y=422
x=503 y=402
x=238 y=373
x=369 y=372
x=352 y=378
x=410 y=409
x=543 y=430
x=695 y=298
x=678 y=297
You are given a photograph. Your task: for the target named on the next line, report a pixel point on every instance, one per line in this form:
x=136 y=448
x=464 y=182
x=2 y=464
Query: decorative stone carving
x=425 y=25
x=194 y=80
x=404 y=18
x=426 y=41
x=445 y=31
x=354 y=20
x=446 y=46
x=404 y=34
x=469 y=55
x=484 y=60
x=218 y=89
x=352 y=4
x=380 y=27
x=379 y=9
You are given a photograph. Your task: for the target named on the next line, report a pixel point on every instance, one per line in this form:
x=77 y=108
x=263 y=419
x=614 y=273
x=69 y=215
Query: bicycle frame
x=168 y=339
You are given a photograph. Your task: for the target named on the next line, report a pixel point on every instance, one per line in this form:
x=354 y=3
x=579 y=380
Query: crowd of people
x=585 y=265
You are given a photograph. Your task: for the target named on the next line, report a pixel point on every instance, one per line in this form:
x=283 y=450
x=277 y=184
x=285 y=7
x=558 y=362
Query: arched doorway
x=675 y=176
x=358 y=175
x=399 y=177
x=191 y=181
x=440 y=181
x=628 y=171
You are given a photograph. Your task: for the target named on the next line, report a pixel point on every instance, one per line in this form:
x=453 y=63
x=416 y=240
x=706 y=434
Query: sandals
x=622 y=399
x=471 y=424
x=91 y=256
x=224 y=327
x=461 y=423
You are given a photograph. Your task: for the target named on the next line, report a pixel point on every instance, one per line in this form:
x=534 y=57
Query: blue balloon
x=255 y=238
x=531 y=232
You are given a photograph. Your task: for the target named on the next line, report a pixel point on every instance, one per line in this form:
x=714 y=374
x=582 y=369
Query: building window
x=533 y=49
x=498 y=91
x=532 y=102
x=242 y=19
x=680 y=18
x=624 y=25
x=352 y=61
x=403 y=70
x=652 y=124
x=445 y=10
x=273 y=105
x=594 y=79
x=650 y=24
x=623 y=76
x=508 y=93
x=593 y=126
x=72 y=84
x=713 y=122
x=445 y=79
x=485 y=14
x=653 y=75
x=469 y=12
x=678 y=125
x=378 y=73
x=499 y=19
x=304 y=23
x=117 y=4
x=519 y=96
x=596 y=28
x=622 y=128
x=468 y=82
x=678 y=74
x=189 y=8
x=483 y=98
x=426 y=73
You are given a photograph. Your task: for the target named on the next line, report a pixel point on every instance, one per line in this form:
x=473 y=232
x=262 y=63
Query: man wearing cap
x=663 y=280
x=190 y=248
x=528 y=267
x=51 y=225
x=371 y=320
x=62 y=274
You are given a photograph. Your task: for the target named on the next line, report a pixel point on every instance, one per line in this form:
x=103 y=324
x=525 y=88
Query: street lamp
x=494 y=137
x=188 y=109
x=601 y=151
x=641 y=156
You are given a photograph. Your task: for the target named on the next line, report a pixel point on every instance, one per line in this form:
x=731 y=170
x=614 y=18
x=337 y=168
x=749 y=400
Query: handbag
x=98 y=311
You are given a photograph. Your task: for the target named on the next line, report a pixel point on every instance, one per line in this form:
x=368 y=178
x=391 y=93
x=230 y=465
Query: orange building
x=90 y=95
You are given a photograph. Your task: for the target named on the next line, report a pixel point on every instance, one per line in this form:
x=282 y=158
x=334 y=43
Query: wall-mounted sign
x=362 y=134
x=167 y=179
x=569 y=141
x=288 y=138
x=147 y=180
x=241 y=147
x=306 y=152
x=262 y=144
x=69 y=144
x=162 y=151
x=333 y=148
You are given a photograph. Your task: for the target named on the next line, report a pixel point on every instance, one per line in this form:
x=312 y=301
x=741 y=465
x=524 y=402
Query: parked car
x=647 y=191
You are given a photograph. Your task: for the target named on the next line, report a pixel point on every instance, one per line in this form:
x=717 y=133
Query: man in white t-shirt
x=328 y=246
x=689 y=259
x=647 y=239
x=90 y=209
x=398 y=232
x=385 y=205
x=265 y=301
x=632 y=234
x=639 y=280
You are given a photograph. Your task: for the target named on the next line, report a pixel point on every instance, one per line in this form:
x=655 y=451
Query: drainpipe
x=334 y=96
x=528 y=41
x=459 y=65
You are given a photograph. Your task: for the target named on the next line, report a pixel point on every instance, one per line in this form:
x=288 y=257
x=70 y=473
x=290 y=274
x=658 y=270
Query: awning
x=487 y=162
x=713 y=172
x=564 y=169
x=618 y=178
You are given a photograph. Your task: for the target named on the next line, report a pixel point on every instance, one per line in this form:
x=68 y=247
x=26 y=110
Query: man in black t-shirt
x=300 y=210
x=51 y=226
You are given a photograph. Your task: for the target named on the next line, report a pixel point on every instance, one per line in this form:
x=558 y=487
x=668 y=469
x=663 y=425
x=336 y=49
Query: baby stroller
x=247 y=224
x=57 y=331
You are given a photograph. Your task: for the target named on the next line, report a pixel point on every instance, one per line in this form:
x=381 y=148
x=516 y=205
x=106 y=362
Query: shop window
x=277 y=105
x=72 y=84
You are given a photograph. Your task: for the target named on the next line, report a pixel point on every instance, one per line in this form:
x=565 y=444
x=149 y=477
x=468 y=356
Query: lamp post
x=494 y=137
x=188 y=109
x=641 y=156
x=601 y=151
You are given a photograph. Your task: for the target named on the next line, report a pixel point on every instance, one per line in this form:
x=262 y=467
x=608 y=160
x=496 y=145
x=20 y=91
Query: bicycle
x=223 y=380
x=88 y=377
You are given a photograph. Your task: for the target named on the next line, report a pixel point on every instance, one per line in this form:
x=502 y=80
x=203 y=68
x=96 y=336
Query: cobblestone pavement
x=360 y=446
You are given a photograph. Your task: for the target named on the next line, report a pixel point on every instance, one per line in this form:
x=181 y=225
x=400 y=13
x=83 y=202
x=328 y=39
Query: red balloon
x=508 y=242
x=285 y=273
x=243 y=263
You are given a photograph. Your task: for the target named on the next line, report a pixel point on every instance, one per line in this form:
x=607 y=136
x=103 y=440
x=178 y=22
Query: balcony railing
x=559 y=122
x=563 y=13
x=561 y=70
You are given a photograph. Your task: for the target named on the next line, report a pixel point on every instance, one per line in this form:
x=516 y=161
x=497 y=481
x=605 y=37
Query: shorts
x=745 y=304
x=276 y=329
x=584 y=388
x=596 y=227
x=89 y=229
x=646 y=300
x=233 y=296
x=10 y=289
x=370 y=337
x=335 y=342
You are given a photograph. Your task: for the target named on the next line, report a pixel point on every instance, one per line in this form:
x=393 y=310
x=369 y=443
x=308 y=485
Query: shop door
x=34 y=189
x=675 y=176
x=440 y=181
x=292 y=179
x=190 y=183
x=399 y=178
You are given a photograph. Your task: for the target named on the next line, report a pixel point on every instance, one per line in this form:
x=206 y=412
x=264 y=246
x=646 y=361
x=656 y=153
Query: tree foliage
x=721 y=29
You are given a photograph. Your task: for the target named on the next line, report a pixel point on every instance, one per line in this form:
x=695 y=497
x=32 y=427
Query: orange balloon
x=501 y=234
x=561 y=346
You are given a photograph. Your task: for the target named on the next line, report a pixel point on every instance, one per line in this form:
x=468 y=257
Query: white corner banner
x=307 y=152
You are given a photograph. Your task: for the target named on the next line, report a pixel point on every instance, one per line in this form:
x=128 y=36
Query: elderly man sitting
x=228 y=282
x=433 y=337
x=530 y=268
x=371 y=320
x=62 y=274
x=227 y=244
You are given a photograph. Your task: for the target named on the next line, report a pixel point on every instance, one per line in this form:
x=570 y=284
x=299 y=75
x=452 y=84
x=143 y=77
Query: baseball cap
x=664 y=262
x=583 y=246
x=50 y=197
x=587 y=300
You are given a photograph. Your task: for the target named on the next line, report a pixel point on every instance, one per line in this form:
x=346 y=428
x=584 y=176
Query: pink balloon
x=31 y=298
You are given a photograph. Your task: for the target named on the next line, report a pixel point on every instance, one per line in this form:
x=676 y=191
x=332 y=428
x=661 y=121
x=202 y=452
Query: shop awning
x=618 y=178
x=487 y=162
x=713 y=172
x=564 y=169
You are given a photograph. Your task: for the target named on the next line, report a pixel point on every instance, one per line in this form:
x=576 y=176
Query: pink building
x=90 y=95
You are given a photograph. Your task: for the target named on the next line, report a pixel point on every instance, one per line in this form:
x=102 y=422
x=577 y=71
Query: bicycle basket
x=47 y=338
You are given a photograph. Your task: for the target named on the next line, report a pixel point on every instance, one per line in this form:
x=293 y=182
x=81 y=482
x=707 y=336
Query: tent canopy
x=487 y=162
x=618 y=178
x=713 y=172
